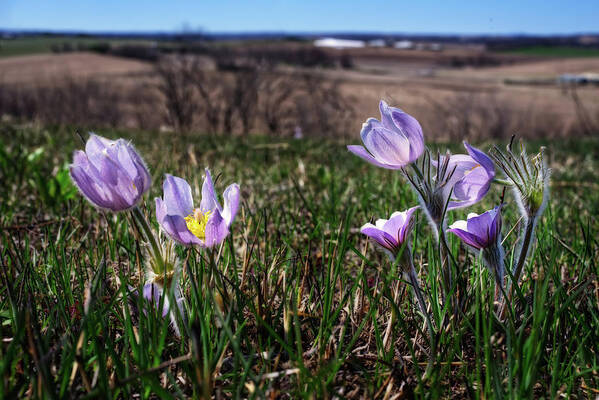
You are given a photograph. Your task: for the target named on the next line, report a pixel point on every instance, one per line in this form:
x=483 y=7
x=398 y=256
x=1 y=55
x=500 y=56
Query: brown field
x=44 y=68
x=449 y=101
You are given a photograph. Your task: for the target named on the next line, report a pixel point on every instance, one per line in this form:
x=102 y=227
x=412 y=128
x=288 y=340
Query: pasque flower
x=110 y=173
x=459 y=180
x=393 y=142
x=472 y=176
x=479 y=231
x=390 y=234
x=482 y=233
x=205 y=226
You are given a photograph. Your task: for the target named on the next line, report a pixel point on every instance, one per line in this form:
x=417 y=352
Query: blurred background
x=464 y=69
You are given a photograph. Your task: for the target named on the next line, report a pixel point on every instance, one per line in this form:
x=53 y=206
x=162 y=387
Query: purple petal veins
x=391 y=143
x=110 y=174
x=205 y=226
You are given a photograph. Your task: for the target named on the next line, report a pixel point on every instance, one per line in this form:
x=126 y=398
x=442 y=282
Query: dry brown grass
x=449 y=102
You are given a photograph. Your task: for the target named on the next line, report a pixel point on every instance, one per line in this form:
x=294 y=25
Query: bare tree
x=181 y=104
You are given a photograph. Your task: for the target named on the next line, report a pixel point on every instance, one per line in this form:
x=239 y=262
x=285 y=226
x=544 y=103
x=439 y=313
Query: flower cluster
x=112 y=176
x=445 y=182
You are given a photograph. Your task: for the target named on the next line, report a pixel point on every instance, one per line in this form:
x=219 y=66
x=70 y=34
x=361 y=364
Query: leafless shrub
x=321 y=109
x=82 y=102
x=277 y=105
x=252 y=96
x=477 y=116
x=179 y=95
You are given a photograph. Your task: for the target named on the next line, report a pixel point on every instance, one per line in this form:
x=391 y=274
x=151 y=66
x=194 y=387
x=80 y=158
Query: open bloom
x=391 y=233
x=110 y=173
x=479 y=231
x=393 y=142
x=205 y=226
x=472 y=177
x=483 y=233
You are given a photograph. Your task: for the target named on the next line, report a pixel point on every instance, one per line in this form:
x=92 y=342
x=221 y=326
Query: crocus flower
x=482 y=233
x=391 y=233
x=472 y=177
x=393 y=142
x=110 y=173
x=205 y=226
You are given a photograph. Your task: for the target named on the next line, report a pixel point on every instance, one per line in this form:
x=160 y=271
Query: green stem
x=528 y=234
x=444 y=258
x=503 y=182
x=422 y=305
x=149 y=236
x=527 y=239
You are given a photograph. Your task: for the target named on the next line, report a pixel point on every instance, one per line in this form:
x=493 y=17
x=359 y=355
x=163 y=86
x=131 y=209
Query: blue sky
x=498 y=17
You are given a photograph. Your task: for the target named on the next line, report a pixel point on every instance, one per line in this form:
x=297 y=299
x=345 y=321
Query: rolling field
x=307 y=299
x=450 y=102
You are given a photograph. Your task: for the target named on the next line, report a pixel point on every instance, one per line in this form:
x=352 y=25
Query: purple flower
x=479 y=231
x=110 y=174
x=483 y=233
x=205 y=226
x=391 y=143
x=471 y=179
x=391 y=233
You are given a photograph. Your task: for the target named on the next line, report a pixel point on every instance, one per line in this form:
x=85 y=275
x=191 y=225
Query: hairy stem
x=444 y=256
x=528 y=234
x=413 y=278
x=526 y=241
x=149 y=236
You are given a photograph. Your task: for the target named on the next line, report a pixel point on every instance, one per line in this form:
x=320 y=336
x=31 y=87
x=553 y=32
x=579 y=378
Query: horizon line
x=200 y=31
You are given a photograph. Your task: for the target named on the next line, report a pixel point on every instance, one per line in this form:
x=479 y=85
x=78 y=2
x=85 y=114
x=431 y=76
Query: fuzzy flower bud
x=529 y=178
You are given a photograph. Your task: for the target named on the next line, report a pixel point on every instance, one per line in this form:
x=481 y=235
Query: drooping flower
x=110 y=173
x=393 y=142
x=482 y=233
x=390 y=234
x=205 y=226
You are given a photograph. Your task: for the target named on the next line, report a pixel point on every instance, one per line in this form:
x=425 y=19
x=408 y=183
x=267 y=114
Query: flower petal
x=216 y=229
x=209 y=200
x=467 y=237
x=231 y=200
x=389 y=147
x=177 y=196
x=482 y=158
x=361 y=152
x=381 y=237
x=174 y=225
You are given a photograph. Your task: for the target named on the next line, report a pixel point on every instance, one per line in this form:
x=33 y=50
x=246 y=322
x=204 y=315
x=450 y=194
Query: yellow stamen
x=196 y=223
